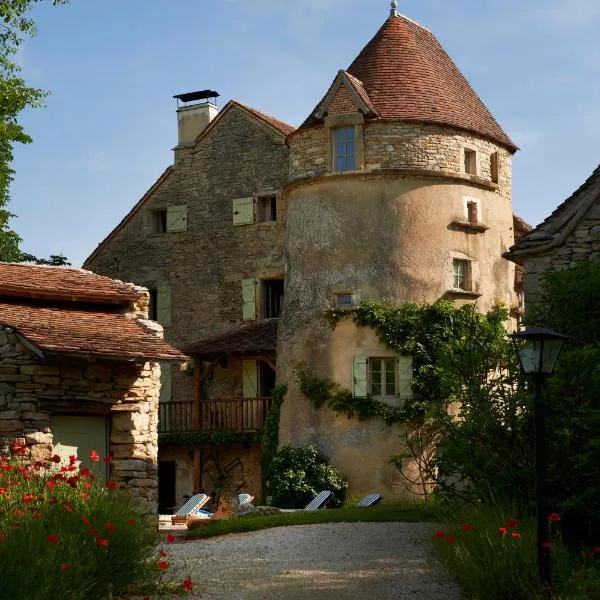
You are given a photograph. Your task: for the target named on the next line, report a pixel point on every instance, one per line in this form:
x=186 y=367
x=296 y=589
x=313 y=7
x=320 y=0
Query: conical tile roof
x=409 y=76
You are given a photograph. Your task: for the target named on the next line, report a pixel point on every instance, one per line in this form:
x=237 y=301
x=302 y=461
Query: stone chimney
x=195 y=111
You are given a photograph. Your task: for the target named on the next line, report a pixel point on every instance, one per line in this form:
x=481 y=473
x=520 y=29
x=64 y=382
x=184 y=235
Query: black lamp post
x=538 y=351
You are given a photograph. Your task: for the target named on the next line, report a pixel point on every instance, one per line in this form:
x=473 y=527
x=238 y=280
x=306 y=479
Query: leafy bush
x=298 y=474
x=492 y=556
x=66 y=535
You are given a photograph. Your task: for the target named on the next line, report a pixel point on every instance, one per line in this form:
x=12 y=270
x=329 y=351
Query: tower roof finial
x=394 y=11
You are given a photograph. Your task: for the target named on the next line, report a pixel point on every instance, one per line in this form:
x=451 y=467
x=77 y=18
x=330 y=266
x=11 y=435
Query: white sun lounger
x=319 y=501
x=191 y=510
x=370 y=500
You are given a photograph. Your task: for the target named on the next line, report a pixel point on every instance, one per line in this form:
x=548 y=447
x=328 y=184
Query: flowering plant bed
x=65 y=534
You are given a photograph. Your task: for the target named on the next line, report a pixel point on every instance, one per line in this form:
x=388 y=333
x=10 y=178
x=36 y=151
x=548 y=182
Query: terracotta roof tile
x=63 y=283
x=256 y=337
x=281 y=126
x=407 y=75
x=85 y=332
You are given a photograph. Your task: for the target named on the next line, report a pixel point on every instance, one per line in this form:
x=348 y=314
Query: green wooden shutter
x=148 y=220
x=243 y=211
x=405 y=375
x=249 y=299
x=250 y=378
x=163 y=305
x=165 y=382
x=359 y=376
x=177 y=218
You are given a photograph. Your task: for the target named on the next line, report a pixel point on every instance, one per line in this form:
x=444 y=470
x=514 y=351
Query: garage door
x=79 y=436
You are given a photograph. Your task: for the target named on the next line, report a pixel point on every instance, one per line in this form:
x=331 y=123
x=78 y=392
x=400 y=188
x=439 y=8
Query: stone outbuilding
x=397 y=185
x=79 y=372
x=571 y=234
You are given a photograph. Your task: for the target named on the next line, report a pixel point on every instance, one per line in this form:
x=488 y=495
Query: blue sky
x=113 y=66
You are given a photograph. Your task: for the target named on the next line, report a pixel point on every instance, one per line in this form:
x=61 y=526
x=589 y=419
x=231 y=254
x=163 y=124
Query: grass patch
x=409 y=513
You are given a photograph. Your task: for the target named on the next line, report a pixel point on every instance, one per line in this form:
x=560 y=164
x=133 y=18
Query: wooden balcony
x=236 y=415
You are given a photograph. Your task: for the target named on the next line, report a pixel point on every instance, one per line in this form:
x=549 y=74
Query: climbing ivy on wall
x=433 y=334
x=270 y=436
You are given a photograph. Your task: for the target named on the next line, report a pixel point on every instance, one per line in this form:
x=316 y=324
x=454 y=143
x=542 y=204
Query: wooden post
x=197 y=394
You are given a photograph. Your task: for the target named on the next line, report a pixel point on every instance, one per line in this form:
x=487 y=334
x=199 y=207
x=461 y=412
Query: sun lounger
x=191 y=510
x=370 y=500
x=319 y=501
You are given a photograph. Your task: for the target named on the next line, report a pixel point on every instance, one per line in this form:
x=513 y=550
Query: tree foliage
x=15 y=96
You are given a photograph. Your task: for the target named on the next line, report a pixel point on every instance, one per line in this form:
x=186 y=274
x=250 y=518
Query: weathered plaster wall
x=32 y=388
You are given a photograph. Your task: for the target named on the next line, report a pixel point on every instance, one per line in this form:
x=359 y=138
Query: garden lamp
x=538 y=351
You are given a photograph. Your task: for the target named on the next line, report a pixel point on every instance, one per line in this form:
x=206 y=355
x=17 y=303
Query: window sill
x=457 y=293
x=469 y=227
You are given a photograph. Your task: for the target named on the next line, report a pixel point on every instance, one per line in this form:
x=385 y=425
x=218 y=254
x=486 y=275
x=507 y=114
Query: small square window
x=158 y=221
x=461 y=275
x=345 y=300
x=472 y=212
x=344 y=149
x=470 y=162
x=266 y=209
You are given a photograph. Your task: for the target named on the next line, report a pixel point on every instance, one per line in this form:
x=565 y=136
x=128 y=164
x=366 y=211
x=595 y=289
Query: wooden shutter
x=148 y=221
x=250 y=378
x=177 y=218
x=243 y=211
x=359 y=377
x=163 y=305
x=165 y=382
x=405 y=375
x=249 y=299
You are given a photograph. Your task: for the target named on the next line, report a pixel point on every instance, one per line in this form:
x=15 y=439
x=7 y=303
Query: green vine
x=431 y=334
x=270 y=436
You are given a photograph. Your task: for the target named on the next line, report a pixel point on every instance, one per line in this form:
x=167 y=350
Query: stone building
x=571 y=234
x=396 y=186
x=79 y=372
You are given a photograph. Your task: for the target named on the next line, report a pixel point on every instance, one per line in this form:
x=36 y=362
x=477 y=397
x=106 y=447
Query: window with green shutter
x=176 y=218
x=405 y=375
x=250 y=379
x=243 y=211
x=163 y=305
x=249 y=299
x=359 y=376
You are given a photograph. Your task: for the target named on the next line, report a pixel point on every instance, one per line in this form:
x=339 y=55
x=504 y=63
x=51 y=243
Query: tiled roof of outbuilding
x=408 y=76
x=63 y=283
x=82 y=331
x=253 y=338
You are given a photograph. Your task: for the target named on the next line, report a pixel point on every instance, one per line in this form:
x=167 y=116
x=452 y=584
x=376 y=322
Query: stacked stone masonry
x=32 y=388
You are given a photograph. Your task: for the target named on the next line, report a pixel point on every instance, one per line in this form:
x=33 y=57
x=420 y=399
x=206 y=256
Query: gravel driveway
x=335 y=561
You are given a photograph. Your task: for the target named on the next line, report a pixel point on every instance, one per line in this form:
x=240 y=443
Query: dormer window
x=344 y=149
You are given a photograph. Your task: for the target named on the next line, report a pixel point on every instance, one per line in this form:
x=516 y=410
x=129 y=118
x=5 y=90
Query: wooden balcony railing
x=237 y=415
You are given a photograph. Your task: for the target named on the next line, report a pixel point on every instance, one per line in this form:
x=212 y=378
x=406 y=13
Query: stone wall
x=32 y=390
x=582 y=244
x=403 y=145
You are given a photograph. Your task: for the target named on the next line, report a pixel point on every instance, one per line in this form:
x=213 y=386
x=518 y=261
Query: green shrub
x=65 y=535
x=492 y=555
x=298 y=474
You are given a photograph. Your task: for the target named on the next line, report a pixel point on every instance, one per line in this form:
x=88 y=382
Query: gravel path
x=337 y=560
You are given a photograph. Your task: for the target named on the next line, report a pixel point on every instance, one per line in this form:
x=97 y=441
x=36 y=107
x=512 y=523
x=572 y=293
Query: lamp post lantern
x=538 y=351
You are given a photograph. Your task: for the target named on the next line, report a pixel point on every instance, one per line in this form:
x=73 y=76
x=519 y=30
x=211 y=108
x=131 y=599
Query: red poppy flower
x=51 y=484
x=451 y=539
x=188 y=584
x=19 y=513
x=85 y=520
x=163 y=564
x=85 y=496
x=170 y=538
x=68 y=507
x=94 y=532
x=52 y=501
x=112 y=485
x=110 y=527
x=547 y=545
x=511 y=523
x=467 y=527
x=439 y=534
x=94 y=456
x=102 y=542
x=87 y=485
x=554 y=518
x=85 y=472
x=53 y=538
x=108 y=459
x=502 y=530
x=516 y=535
x=27 y=498
x=55 y=458
x=65 y=566
x=72 y=459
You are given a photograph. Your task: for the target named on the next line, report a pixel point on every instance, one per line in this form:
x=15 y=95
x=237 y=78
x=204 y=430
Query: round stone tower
x=400 y=189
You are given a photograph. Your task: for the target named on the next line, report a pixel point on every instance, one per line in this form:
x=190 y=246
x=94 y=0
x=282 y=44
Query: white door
x=79 y=436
